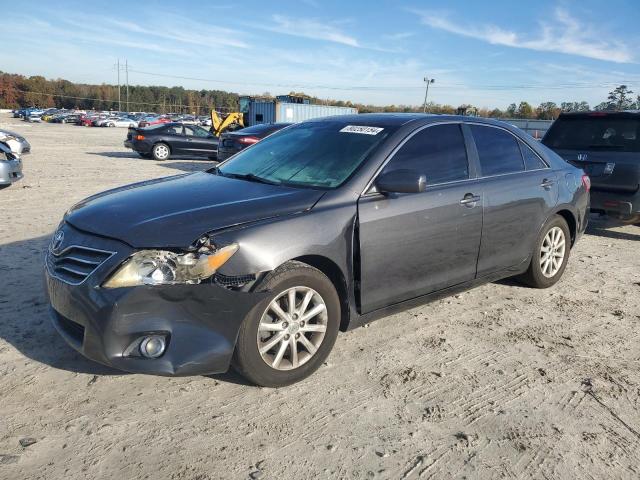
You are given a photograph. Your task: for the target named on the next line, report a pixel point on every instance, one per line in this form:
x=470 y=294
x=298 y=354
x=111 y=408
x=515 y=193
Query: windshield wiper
x=250 y=177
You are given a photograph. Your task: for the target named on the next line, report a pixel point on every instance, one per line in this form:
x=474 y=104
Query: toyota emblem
x=56 y=242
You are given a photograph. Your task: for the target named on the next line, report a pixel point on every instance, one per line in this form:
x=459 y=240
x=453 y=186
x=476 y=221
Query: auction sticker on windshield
x=362 y=129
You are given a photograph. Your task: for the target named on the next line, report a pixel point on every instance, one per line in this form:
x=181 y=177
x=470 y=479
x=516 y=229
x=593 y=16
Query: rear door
x=412 y=244
x=517 y=197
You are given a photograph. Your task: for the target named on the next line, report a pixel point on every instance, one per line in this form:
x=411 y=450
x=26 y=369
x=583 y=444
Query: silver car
x=17 y=143
x=10 y=167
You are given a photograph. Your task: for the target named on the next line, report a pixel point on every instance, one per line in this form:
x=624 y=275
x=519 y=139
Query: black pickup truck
x=606 y=145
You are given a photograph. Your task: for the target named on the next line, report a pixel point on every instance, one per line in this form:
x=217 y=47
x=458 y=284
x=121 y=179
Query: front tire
x=161 y=151
x=289 y=334
x=550 y=255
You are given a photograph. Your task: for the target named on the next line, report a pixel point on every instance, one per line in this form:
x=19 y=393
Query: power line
x=568 y=85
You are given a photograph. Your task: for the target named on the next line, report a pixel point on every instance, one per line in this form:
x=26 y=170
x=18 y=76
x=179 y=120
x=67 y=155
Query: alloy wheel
x=552 y=252
x=162 y=151
x=292 y=328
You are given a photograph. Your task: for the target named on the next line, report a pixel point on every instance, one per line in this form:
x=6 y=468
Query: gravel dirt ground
x=499 y=382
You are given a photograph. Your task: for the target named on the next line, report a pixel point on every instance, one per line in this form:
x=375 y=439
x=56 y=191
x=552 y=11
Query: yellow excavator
x=227 y=121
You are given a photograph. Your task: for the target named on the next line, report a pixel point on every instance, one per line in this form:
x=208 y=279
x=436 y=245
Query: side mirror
x=401 y=181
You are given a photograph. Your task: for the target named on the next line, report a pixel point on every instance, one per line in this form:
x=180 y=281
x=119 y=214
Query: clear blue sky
x=484 y=53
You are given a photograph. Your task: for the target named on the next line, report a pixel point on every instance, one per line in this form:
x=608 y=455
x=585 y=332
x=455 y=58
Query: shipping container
x=258 y=111
x=299 y=112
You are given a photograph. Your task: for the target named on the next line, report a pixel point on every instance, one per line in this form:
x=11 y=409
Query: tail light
x=586 y=181
x=248 y=140
x=141 y=137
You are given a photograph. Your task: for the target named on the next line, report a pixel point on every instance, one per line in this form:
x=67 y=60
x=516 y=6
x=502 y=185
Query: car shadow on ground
x=178 y=162
x=604 y=227
x=24 y=314
x=116 y=154
x=24 y=310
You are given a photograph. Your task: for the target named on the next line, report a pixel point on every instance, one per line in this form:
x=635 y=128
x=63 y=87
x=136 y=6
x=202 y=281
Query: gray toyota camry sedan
x=320 y=227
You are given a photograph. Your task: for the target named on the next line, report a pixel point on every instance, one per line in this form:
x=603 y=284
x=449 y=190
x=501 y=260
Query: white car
x=119 y=122
x=17 y=143
x=10 y=167
x=33 y=117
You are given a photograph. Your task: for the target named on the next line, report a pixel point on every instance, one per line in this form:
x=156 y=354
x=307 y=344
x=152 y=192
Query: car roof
x=599 y=113
x=399 y=119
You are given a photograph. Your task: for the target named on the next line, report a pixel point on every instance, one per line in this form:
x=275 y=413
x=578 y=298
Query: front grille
x=75 y=263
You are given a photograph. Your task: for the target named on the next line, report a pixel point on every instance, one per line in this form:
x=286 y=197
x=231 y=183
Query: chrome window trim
x=367 y=192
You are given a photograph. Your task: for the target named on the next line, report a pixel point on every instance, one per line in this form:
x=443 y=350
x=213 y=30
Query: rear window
x=498 y=151
x=606 y=132
x=159 y=126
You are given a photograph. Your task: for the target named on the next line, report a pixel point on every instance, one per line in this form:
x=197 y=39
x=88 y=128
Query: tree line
x=18 y=91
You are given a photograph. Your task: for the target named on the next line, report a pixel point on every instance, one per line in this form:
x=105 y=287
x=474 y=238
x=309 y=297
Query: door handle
x=470 y=200
x=547 y=184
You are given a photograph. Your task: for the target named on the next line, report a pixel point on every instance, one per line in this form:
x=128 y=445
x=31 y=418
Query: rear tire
x=550 y=254
x=291 y=358
x=161 y=151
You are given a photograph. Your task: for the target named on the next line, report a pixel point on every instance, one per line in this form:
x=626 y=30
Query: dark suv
x=606 y=145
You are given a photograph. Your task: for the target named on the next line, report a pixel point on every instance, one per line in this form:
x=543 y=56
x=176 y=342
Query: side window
x=438 y=152
x=174 y=130
x=195 y=131
x=531 y=160
x=498 y=151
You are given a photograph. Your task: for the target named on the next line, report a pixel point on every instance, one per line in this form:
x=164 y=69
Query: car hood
x=175 y=211
x=8 y=133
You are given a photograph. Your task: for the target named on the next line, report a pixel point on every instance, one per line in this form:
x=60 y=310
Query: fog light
x=152 y=346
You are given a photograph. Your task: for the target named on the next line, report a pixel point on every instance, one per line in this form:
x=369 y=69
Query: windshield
x=604 y=132
x=321 y=154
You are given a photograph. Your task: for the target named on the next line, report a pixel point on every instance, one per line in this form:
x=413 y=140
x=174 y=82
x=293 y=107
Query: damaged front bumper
x=200 y=322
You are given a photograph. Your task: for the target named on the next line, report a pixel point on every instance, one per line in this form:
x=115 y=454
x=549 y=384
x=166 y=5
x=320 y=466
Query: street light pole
x=426 y=93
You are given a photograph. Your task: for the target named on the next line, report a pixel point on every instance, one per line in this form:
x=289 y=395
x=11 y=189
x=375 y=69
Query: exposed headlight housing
x=162 y=267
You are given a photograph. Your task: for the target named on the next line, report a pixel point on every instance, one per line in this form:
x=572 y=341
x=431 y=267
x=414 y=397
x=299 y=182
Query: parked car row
x=106 y=118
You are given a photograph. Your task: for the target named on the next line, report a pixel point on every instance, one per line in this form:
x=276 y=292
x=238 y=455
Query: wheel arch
x=571 y=220
x=157 y=142
x=337 y=278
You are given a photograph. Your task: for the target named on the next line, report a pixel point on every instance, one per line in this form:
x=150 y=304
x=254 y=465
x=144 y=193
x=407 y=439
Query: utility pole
x=119 y=102
x=126 y=69
x=426 y=93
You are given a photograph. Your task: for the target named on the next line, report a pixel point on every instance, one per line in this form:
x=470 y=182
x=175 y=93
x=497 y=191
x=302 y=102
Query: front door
x=413 y=244
x=199 y=141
